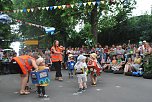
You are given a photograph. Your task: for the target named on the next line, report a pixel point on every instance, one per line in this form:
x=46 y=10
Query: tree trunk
x=94 y=22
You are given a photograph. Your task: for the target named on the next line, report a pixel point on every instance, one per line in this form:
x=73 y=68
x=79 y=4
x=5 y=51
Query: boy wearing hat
x=41 y=87
x=80 y=70
x=70 y=65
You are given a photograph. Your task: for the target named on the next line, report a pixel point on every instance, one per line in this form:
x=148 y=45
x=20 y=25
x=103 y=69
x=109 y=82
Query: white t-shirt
x=79 y=65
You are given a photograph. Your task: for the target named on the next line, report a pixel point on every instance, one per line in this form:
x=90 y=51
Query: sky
x=142 y=6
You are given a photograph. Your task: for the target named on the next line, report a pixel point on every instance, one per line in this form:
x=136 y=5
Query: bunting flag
x=21 y=11
x=28 y=10
x=43 y=8
x=17 y=11
x=84 y=4
x=51 y=7
x=77 y=4
x=80 y=4
x=72 y=6
x=98 y=3
x=94 y=3
x=59 y=7
x=32 y=9
x=102 y=2
x=68 y=5
x=14 y=11
x=89 y=3
x=39 y=8
x=55 y=7
x=24 y=10
x=47 y=8
x=63 y=6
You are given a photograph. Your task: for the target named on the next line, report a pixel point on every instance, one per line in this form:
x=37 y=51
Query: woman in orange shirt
x=56 y=57
x=24 y=65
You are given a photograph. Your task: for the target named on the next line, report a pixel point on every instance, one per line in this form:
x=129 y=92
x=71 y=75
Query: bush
x=148 y=67
x=148 y=63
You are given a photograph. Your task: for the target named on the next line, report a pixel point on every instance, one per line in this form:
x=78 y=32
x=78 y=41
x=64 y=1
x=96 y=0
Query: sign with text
x=31 y=42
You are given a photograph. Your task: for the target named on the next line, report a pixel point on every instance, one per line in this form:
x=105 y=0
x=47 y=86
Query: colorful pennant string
x=80 y=4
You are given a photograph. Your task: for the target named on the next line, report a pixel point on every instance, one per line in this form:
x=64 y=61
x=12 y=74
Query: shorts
x=16 y=67
x=82 y=78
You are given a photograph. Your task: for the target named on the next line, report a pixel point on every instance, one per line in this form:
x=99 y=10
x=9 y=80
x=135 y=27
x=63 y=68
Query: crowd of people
x=126 y=57
x=80 y=61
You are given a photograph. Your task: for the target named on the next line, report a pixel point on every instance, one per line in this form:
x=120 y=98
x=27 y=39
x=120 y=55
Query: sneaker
x=93 y=84
x=84 y=89
x=45 y=96
x=80 y=90
x=60 y=79
x=40 y=95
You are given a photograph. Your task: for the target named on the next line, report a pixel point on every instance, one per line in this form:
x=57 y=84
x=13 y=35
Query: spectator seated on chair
x=128 y=66
x=107 y=65
x=114 y=64
x=137 y=62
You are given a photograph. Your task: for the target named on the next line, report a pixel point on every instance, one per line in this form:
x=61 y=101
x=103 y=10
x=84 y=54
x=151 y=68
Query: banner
x=31 y=42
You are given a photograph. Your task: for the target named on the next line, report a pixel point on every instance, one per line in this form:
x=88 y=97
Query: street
x=110 y=88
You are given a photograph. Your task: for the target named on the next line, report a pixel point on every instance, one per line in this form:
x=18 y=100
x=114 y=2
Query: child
x=107 y=64
x=81 y=71
x=70 y=65
x=41 y=87
x=114 y=63
x=94 y=68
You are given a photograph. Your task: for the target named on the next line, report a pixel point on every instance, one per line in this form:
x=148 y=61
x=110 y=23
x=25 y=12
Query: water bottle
x=140 y=71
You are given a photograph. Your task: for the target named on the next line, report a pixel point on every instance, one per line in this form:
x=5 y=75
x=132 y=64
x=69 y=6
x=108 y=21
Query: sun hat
x=39 y=60
x=144 y=41
x=81 y=57
x=94 y=55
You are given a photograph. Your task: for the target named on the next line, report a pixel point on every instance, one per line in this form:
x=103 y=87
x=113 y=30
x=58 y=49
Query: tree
x=65 y=20
x=5 y=34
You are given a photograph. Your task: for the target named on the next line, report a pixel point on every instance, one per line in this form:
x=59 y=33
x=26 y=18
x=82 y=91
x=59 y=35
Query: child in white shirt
x=81 y=71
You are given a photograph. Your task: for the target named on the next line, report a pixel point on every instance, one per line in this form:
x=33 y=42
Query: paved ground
x=110 y=88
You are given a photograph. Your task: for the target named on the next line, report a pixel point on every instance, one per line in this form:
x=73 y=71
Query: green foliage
x=148 y=63
x=5 y=34
x=141 y=27
x=95 y=23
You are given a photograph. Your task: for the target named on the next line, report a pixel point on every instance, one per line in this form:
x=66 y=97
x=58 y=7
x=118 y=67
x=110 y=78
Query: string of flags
x=48 y=30
x=60 y=7
x=30 y=24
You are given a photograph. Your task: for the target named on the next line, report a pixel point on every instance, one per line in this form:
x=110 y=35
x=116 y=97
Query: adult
x=47 y=57
x=25 y=63
x=137 y=62
x=128 y=66
x=148 y=49
x=56 y=57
